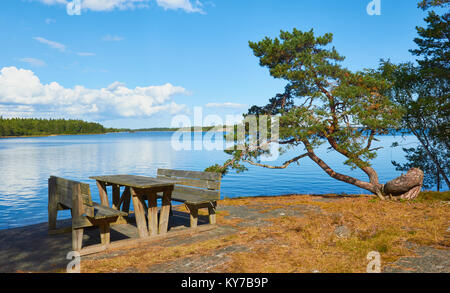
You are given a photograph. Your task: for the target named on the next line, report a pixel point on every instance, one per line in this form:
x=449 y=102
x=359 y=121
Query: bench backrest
x=71 y=194
x=205 y=183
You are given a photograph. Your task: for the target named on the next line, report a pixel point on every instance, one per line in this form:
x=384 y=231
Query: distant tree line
x=193 y=128
x=35 y=126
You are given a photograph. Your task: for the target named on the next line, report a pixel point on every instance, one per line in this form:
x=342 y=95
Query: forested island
x=14 y=127
x=41 y=127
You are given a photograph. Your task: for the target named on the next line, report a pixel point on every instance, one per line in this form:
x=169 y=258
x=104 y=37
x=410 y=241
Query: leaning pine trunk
x=407 y=186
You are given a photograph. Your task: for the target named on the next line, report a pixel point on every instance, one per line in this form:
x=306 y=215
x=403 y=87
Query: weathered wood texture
x=132 y=181
x=190 y=174
x=103 y=193
x=407 y=186
x=165 y=211
x=139 y=211
x=193 y=186
x=152 y=214
x=196 y=190
x=141 y=189
x=76 y=196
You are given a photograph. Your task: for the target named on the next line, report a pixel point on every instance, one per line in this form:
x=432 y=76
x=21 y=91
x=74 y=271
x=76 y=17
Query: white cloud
x=60 y=47
x=108 y=5
x=186 y=5
x=33 y=61
x=110 y=38
x=14 y=111
x=49 y=21
x=85 y=54
x=22 y=90
x=52 y=2
x=51 y=44
x=225 y=105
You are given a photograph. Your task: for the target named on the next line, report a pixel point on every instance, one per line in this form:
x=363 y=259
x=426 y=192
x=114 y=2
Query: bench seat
x=197 y=190
x=191 y=198
x=64 y=194
x=104 y=212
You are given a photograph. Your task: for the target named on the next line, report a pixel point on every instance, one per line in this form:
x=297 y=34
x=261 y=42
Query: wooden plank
x=103 y=193
x=200 y=192
x=64 y=190
x=152 y=214
x=103 y=212
x=77 y=210
x=193 y=213
x=191 y=198
x=86 y=193
x=52 y=203
x=190 y=174
x=193 y=217
x=154 y=189
x=104 y=233
x=208 y=184
x=134 y=181
x=77 y=239
x=165 y=211
x=79 y=204
x=81 y=222
x=212 y=213
x=139 y=213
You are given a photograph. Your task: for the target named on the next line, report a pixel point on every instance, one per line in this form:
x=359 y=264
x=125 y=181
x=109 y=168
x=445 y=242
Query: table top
x=134 y=181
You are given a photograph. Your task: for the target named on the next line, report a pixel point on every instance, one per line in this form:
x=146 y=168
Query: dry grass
x=306 y=244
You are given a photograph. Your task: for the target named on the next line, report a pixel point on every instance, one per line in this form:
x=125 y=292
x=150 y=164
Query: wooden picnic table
x=139 y=189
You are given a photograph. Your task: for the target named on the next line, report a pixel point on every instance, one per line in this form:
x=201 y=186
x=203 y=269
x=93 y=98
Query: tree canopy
x=323 y=103
x=35 y=126
x=423 y=90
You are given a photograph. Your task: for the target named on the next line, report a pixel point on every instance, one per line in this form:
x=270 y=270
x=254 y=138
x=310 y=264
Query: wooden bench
x=66 y=194
x=196 y=190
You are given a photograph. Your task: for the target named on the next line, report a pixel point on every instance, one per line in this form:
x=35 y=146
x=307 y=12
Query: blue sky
x=137 y=63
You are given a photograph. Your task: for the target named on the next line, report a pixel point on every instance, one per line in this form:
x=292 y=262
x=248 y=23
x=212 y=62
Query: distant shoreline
x=65 y=134
x=49 y=135
x=131 y=131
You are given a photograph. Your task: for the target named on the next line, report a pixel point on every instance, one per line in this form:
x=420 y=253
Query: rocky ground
x=295 y=233
x=300 y=234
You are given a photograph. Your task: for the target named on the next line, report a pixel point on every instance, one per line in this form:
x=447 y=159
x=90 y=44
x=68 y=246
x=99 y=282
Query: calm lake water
x=26 y=164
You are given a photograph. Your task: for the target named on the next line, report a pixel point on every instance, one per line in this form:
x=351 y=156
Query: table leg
x=121 y=201
x=139 y=213
x=152 y=214
x=126 y=200
x=165 y=211
x=116 y=196
x=103 y=193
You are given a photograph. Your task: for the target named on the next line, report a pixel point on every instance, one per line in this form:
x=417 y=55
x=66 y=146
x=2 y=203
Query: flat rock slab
x=198 y=264
x=170 y=242
x=257 y=215
x=32 y=249
x=429 y=260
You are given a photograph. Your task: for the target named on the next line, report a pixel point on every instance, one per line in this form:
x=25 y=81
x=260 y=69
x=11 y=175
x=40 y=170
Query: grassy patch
x=429 y=196
x=309 y=243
